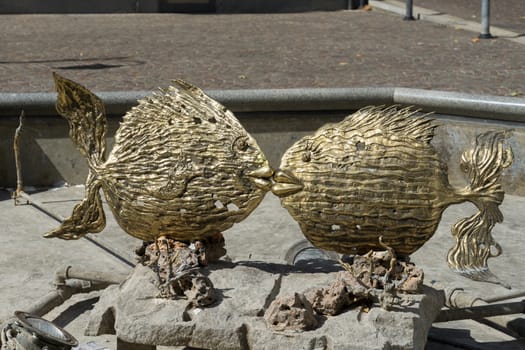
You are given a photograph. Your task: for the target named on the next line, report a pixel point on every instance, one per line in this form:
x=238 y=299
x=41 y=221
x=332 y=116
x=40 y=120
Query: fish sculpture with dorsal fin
x=375 y=179
x=182 y=165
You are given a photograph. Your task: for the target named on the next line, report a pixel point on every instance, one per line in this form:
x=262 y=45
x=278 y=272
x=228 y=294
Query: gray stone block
x=235 y=321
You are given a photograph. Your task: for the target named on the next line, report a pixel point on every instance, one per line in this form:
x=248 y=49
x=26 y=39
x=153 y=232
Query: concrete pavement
x=316 y=49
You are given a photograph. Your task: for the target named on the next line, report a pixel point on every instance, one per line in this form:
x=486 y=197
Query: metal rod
x=351 y=4
x=60 y=219
x=19 y=193
x=485 y=20
x=516 y=294
x=409 y=15
x=94 y=276
x=483 y=311
x=16 y=149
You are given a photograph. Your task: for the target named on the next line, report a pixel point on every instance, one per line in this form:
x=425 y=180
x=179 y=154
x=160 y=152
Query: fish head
x=252 y=166
x=311 y=161
x=299 y=166
x=190 y=160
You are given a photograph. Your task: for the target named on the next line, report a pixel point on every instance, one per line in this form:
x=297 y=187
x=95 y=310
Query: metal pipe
x=94 y=276
x=458 y=300
x=45 y=304
x=71 y=280
x=485 y=20
x=516 y=294
x=482 y=311
x=409 y=15
x=58 y=296
x=317 y=99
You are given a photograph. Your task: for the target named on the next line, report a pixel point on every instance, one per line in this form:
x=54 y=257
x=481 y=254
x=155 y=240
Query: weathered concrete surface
x=28 y=261
x=235 y=321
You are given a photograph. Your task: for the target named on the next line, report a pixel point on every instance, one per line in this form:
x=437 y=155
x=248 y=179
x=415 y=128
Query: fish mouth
x=261 y=177
x=285 y=184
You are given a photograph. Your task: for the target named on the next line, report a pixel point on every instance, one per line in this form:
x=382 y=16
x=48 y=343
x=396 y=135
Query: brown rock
x=329 y=301
x=202 y=292
x=291 y=313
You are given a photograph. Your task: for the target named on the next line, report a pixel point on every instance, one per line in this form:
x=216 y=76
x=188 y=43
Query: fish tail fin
x=87 y=217
x=86 y=116
x=484 y=165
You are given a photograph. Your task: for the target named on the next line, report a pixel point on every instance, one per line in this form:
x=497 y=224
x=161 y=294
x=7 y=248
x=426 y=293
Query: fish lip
x=285 y=184
x=261 y=177
x=263 y=172
x=263 y=184
x=284 y=189
x=285 y=177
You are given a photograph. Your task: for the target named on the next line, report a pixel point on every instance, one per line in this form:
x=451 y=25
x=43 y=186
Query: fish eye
x=307 y=156
x=241 y=143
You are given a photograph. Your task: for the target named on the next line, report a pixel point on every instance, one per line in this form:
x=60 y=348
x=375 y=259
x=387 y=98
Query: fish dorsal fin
x=182 y=103
x=402 y=121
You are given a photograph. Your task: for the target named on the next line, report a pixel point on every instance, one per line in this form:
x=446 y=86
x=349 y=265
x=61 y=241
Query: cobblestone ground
x=317 y=49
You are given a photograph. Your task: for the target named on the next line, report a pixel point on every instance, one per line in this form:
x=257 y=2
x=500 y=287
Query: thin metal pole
x=16 y=148
x=409 y=16
x=485 y=20
x=352 y=5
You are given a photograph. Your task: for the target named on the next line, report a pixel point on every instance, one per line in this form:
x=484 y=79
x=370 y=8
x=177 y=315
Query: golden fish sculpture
x=376 y=177
x=182 y=165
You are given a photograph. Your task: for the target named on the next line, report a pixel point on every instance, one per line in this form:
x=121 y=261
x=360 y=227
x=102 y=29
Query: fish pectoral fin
x=87 y=217
x=174 y=188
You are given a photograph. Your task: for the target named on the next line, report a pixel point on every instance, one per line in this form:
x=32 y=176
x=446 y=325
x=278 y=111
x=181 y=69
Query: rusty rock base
x=244 y=292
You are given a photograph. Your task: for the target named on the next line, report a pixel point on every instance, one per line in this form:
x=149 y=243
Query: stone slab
x=245 y=290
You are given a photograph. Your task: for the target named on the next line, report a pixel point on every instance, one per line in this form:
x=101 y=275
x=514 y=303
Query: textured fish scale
x=374 y=174
x=175 y=160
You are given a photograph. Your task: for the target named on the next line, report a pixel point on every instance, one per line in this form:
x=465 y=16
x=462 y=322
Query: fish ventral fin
x=86 y=116
x=87 y=217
